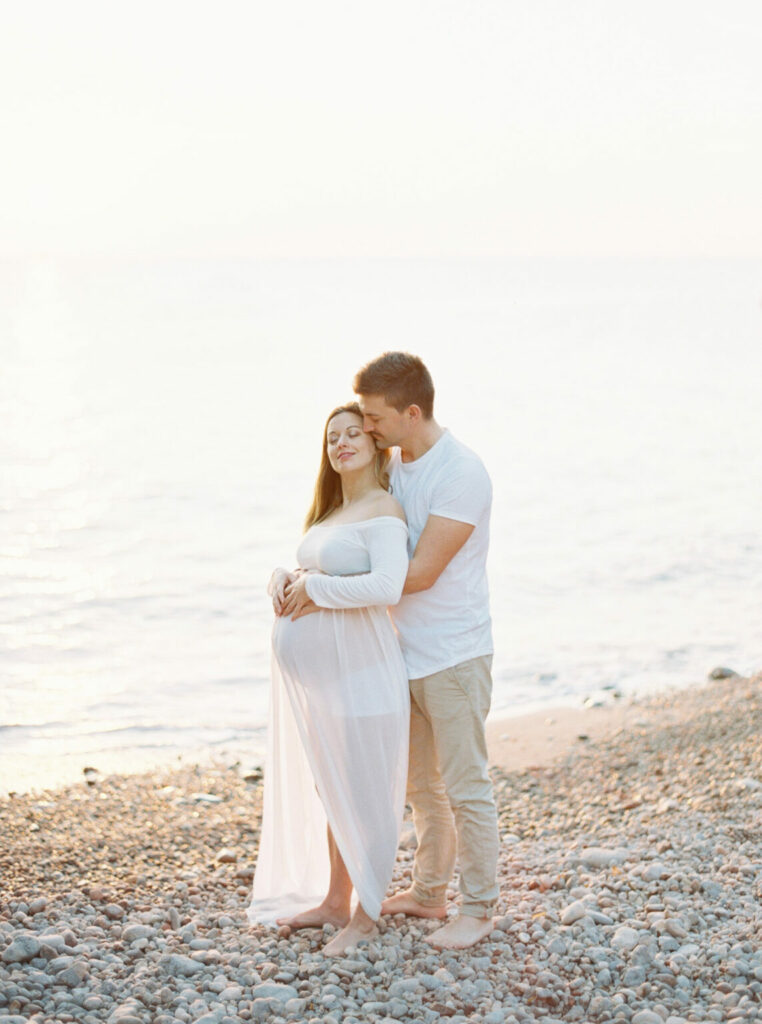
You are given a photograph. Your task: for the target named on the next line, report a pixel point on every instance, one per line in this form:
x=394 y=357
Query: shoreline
x=74 y=771
x=536 y=739
x=515 y=739
x=630 y=881
x=515 y=742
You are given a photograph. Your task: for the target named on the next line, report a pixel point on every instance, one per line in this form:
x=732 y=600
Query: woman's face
x=348 y=447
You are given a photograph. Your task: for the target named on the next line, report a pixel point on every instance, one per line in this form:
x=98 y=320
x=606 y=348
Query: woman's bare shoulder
x=387 y=505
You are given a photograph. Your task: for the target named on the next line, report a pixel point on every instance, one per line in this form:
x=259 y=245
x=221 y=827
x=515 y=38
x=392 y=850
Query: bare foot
x=353 y=933
x=316 y=918
x=461 y=932
x=405 y=903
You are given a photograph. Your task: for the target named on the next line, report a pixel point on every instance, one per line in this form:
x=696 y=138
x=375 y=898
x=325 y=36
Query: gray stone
x=403 y=985
x=60 y=963
x=274 y=990
x=647 y=1017
x=654 y=872
x=675 y=929
x=128 y=1012
x=634 y=976
x=177 y=964
x=398 y=1008
x=557 y=945
x=574 y=912
x=689 y=949
x=642 y=955
x=333 y=990
x=136 y=931
x=23 y=949
x=625 y=938
x=295 y=1007
x=73 y=976
x=602 y=857
x=40 y=978
x=599 y=918
x=264 y=1009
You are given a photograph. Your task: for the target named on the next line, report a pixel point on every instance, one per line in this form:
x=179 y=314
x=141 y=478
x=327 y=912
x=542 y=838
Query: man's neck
x=425 y=437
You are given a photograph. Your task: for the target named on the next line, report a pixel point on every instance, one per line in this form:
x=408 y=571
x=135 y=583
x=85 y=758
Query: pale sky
x=455 y=128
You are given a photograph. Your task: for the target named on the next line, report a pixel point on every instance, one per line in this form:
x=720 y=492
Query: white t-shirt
x=450 y=622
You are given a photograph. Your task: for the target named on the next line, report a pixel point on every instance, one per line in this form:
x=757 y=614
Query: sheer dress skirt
x=337 y=754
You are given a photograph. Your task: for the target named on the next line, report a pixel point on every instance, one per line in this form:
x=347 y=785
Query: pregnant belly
x=347 y=661
x=301 y=643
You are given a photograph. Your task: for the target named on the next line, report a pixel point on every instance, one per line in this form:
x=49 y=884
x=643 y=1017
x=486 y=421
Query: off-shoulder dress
x=339 y=724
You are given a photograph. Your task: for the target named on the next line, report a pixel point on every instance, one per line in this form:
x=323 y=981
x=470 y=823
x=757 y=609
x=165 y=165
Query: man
x=445 y=632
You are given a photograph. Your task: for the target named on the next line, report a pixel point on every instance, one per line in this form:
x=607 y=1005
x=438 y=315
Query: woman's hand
x=297 y=601
x=276 y=588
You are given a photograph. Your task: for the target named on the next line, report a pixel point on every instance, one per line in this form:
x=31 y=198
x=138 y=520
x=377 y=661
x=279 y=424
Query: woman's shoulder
x=387 y=505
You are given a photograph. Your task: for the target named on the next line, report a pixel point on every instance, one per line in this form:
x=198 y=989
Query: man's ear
x=414 y=413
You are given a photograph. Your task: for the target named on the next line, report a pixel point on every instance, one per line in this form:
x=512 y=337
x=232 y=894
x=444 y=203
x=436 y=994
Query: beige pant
x=449 y=788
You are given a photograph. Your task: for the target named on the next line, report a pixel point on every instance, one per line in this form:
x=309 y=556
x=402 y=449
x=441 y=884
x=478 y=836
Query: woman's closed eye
x=334 y=438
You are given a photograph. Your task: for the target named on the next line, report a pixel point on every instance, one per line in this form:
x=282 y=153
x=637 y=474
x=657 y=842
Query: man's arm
x=440 y=541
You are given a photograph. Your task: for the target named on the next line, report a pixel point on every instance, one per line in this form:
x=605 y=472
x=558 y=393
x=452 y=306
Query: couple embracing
x=365 y=713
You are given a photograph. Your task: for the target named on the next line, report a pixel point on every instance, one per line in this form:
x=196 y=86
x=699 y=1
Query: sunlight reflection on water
x=160 y=428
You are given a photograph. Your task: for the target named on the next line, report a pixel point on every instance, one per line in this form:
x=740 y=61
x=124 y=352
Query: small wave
x=32 y=725
x=152 y=727
x=235 y=681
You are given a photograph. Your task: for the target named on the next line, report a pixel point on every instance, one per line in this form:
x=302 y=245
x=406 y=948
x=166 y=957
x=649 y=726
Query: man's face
x=385 y=425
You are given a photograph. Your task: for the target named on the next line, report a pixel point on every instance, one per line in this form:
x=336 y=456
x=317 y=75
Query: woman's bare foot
x=317 y=917
x=461 y=933
x=356 y=931
x=405 y=903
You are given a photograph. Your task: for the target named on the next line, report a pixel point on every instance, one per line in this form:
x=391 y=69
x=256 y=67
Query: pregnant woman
x=339 y=715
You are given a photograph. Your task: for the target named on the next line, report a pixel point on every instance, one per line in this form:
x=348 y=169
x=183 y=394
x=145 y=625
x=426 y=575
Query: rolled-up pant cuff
x=429 y=897
x=480 y=910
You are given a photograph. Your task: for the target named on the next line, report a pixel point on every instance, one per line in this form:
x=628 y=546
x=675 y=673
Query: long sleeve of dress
x=386 y=539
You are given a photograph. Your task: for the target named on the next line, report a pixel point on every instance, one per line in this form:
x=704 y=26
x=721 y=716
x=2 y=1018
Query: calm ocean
x=160 y=430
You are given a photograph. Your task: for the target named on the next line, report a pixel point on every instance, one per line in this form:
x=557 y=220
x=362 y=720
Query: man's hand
x=297 y=601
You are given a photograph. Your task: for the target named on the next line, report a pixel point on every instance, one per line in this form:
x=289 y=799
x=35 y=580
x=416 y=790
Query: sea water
x=160 y=428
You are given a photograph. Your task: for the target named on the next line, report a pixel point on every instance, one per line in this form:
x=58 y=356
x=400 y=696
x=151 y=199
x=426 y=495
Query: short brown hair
x=401 y=380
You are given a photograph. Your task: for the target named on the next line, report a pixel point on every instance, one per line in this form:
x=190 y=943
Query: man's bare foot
x=461 y=933
x=316 y=918
x=353 y=933
x=405 y=903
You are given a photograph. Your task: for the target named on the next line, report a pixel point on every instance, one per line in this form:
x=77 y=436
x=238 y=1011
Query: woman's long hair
x=327 y=496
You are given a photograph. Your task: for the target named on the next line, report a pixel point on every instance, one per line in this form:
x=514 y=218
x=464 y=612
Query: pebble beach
x=630 y=877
